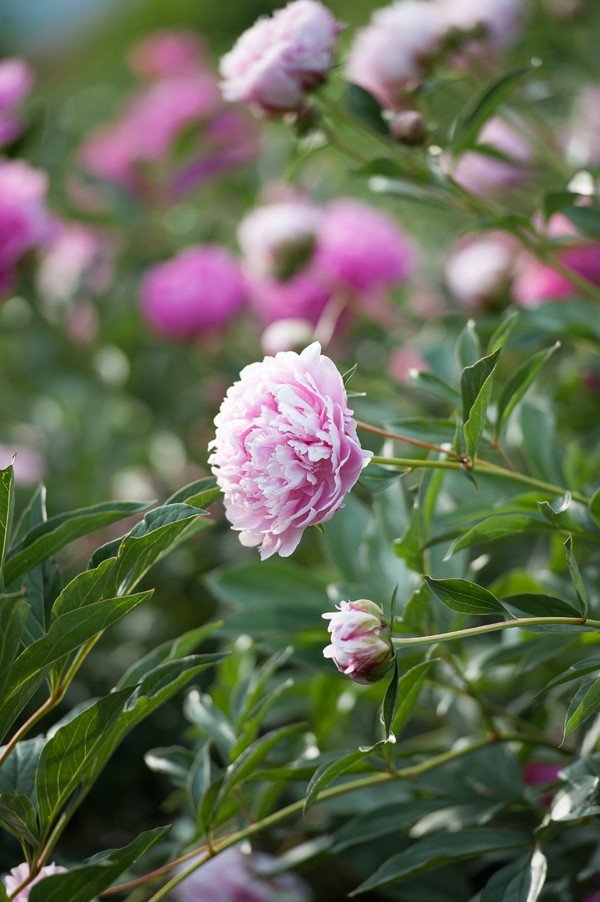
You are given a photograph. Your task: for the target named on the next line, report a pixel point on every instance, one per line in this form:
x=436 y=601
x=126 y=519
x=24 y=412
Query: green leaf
x=174 y=762
x=7 y=504
x=441 y=849
x=516 y=387
x=484 y=104
x=201 y=493
x=389 y=702
x=13 y=614
x=172 y=650
x=409 y=689
x=498 y=526
x=595 y=507
x=574 y=672
x=42 y=586
x=84 y=589
x=539 y=605
x=3 y=893
x=468 y=349
x=585 y=219
x=85 y=883
x=200 y=710
x=17 y=774
x=72 y=752
x=520 y=881
x=502 y=333
x=365 y=109
x=48 y=537
x=329 y=770
x=555 y=201
x=199 y=776
x=409 y=546
x=385 y=820
x=433 y=385
x=475 y=387
x=576 y=578
x=465 y=597
x=583 y=704
x=246 y=763
x=17 y=815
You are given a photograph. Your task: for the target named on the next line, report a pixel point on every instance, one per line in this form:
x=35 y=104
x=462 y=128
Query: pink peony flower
x=286 y=450
x=361 y=644
x=17 y=875
x=16 y=79
x=278 y=239
x=24 y=221
x=200 y=289
x=279 y=59
x=482 y=173
x=500 y=20
x=165 y=53
x=392 y=53
x=479 y=269
x=234 y=876
x=362 y=248
x=286 y=335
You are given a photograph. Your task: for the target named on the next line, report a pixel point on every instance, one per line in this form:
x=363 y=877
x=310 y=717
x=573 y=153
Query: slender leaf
x=483 y=105
x=17 y=774
x=199 y=775
x=468 y=348
x=48 y=537
x=517 y=386
x=583 y=704
x=409 y=689
x=199 y=494
x=594 y=507
x=200 y=710
x=574 y=672
x=576 y=578
x=174 y=762
x=389 y=702
x=498 y=526
x=7 y=504
x=475 y=387
x=17 y=815
x=520 y=881
x=172 y=650
x=433 y=385
x=327 y=772
x=13 y=614
x=465 y=597
x=365 y=109
x=246 y=763
x=502 y=333
x=585 y=218
x=441 y=849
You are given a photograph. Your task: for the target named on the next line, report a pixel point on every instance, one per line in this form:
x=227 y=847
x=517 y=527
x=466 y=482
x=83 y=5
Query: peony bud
x=408 y=127
x=361 y=645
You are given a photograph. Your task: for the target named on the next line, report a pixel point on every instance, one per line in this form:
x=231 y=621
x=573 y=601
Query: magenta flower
x=164 y=53
x=361 y=644
x=362 y=248
x=392 y=53
x=234 y=876
x=17 y=875
x=16 y=79
x=24 y=221
x=286 y=450
x=274 y=63
x=199 y=290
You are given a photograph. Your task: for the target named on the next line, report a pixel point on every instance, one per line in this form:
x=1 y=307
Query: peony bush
x=328 y=288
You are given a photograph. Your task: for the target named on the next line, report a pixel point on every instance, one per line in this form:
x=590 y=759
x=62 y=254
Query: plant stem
x=481 y=467
x=522 y=622
x=405 y=439
x=411 y=772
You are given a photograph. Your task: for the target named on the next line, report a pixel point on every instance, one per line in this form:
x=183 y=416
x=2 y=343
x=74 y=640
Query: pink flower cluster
x=279 y=59
x=24 y=221
x=234 y=876
x=286 y=450
x=298 y=257
x=361 y=645
x=16 y=79
x=393 y=54
x=181 y=96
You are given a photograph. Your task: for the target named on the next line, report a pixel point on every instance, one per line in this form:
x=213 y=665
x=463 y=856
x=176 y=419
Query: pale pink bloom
x=286 y=450
x=17 y=875
x=362 y=248
x=24 y=221
x=274 y=63
x=286 y=335
x=361 y=645
x=278 y=239
x=164 y=53
x=234 y=876
x=303 y=296
x=393 y=52
x=479 y=268
x=16 y=80
x=29 y=466
x=500 y=20
x=482 y=173
x=199 y=290
x=75 y=257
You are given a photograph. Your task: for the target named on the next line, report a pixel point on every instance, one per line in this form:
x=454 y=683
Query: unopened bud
x=361 y=644
x=408 y=127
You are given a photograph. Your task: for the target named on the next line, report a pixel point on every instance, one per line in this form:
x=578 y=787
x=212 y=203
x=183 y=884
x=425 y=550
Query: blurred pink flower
x=483 y=173
x=303 y=296
x=164 y=53
x=479 y=269
x=234 y=876
x=199 y=290
x=537 y=281
x=274 y=63
x=361 y=644
x=24 y=221
x=17 y=875
x=500 y=20
x=392 y=53
x=286 y=335
x=16 y=79
x=286 y=450
x=363 y=248
x=404 y=359
x=75 y=257
x=276 y=240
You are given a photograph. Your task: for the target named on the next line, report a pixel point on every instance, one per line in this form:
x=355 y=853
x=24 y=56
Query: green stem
x=481 y=467
x=405 y=439
x=521 y=622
